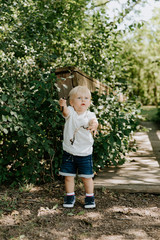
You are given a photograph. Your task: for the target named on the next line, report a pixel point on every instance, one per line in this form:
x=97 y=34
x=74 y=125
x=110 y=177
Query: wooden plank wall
x=70 y=77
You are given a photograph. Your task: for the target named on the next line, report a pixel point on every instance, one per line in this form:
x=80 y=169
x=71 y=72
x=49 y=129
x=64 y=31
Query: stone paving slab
x=141 y=172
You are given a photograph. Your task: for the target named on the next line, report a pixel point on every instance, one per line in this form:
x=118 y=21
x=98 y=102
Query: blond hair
x=79 y=89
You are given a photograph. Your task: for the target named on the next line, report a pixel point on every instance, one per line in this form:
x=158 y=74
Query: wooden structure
x=70 y=77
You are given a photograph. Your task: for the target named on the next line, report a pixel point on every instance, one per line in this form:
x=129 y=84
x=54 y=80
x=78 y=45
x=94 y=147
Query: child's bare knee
x=86 y=179
x=69 y=178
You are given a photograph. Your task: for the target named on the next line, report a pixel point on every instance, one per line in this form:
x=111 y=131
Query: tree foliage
x=142 y=51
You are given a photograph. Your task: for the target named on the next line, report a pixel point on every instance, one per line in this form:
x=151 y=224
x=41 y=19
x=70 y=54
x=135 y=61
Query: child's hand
x=62 y=102
x=93 y=124
x=63 y=106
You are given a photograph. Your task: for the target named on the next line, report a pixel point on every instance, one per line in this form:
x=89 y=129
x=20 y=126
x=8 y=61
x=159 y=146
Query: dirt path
x=38 y=215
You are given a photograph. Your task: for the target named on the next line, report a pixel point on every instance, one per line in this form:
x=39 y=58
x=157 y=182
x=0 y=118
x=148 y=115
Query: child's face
x=81 y=101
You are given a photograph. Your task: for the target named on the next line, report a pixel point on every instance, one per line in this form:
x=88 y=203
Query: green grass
x=149 y=113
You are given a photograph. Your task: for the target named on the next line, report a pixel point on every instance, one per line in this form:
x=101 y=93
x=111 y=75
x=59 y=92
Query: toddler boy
x=78 y=141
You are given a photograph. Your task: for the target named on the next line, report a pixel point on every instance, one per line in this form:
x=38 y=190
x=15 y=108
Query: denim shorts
x=73 y=165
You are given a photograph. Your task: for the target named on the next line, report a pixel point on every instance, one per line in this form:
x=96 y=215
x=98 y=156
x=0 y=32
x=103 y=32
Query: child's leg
x=69 y=199
x=69 y=184
x=88 y=185
x=89 y=188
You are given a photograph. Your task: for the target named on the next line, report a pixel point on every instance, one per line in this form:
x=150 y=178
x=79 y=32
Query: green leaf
x=5 y=130
x=81 y=213
x=4 y=118
x=14 y=114
x=4 y=97
x=29 y=139
x=55 y=207
x=70 y=214
x=16 y=128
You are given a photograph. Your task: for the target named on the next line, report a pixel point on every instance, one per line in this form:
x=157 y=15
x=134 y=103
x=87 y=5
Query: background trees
x=142 y=52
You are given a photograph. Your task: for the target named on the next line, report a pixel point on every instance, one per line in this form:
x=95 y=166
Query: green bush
x=118 y=120
x=30 y=129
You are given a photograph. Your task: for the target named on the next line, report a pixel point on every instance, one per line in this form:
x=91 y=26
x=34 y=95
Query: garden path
x=141 y=172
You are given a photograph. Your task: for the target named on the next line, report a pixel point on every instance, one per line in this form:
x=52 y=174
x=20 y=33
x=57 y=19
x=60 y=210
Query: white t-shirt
x=76 y=139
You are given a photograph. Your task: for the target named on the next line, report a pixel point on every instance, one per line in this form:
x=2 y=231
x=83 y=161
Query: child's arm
x=63 y=105
x=93 y=125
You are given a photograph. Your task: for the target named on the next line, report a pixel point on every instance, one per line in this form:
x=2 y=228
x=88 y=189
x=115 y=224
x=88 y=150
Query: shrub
x=118 y=120
x=30 y=129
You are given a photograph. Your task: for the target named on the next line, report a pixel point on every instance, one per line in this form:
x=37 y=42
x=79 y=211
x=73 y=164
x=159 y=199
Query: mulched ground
x=36 y=213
